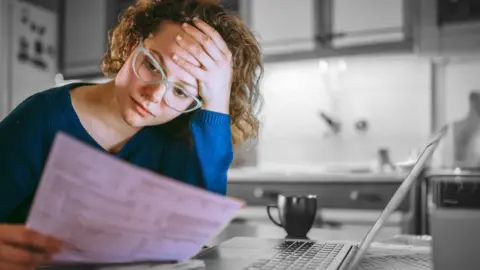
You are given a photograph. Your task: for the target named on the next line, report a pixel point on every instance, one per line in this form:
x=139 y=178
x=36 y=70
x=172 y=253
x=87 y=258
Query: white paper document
x=107 y=210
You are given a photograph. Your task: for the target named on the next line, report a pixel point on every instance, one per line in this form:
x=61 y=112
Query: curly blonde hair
x=143 y=19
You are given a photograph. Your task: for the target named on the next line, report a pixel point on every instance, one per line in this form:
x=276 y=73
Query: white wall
x=393 y=94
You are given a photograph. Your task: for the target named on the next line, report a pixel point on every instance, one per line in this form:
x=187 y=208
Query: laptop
x=257 y=253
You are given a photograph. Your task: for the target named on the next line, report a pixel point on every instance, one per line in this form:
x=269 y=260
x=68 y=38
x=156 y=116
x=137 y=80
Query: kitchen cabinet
x=282 y=26
x=303 y=30
x=450 y=28
x=84 y=37
x=349 y=27
x=333 y=28
x=85 y=34
x=458 y=11
x=367 y=22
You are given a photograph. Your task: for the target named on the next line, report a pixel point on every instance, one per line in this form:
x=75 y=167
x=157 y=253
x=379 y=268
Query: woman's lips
x=141 y=109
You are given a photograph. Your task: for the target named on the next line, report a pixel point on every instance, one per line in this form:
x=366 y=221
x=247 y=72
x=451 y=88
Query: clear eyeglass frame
x=168 y=85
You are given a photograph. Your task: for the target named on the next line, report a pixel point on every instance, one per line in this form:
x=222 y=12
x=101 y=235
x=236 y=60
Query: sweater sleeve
x=212 y=153
x=21 y=153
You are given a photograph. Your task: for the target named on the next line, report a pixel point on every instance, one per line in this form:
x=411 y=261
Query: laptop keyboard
x=299 y=255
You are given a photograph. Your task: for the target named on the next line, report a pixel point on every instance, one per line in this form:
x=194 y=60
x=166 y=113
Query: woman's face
x=143 y=101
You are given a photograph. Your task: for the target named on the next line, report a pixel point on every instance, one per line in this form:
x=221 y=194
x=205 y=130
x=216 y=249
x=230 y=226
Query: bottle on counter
x=461 y=146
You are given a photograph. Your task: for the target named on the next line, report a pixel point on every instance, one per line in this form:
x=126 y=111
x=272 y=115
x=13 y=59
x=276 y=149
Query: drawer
x=345 y=195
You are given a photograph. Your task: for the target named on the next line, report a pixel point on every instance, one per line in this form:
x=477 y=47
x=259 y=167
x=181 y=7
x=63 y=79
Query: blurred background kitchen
x=352 y=91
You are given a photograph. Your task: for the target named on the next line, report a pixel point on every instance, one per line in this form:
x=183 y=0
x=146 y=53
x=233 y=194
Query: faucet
x=332 y=124
x=384 y=162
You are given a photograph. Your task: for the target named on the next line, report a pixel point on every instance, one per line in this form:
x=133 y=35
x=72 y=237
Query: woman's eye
x=151 y=66
x=179 y=92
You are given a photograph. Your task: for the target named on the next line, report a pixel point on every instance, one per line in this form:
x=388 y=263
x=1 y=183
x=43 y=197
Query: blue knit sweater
x=27 y=134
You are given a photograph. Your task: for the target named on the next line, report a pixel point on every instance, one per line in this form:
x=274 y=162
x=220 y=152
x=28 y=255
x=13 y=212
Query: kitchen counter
x=350 y=233
x=341 y=216
x=309 y=174
x=335 y=189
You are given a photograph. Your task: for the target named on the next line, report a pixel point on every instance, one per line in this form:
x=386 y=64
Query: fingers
x=22 y=257
x=9 y=266
x=197 y=72
x=19 y=235
x=24 y=249
x=187 y=57
x=214 y=36
x=204 y=44
x=196 y=51
x=205 y=41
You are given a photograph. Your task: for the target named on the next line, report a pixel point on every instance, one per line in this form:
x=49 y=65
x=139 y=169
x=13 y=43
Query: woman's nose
x=154 y=93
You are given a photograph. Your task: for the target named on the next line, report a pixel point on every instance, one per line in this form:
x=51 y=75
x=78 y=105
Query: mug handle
x=270 y=215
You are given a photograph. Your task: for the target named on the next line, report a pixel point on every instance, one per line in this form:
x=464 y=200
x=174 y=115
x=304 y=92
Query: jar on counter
x=454 y=218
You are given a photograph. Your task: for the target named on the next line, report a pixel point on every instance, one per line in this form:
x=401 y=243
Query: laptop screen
x=398 y=197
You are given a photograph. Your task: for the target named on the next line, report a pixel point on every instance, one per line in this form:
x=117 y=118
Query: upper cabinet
x=282 y=26
x=450 y=27
x=84 y=37
x=286 y=29
x=300 y=29
x=458 y=11
x=326 y=28
x=85 y=34
x=367 y=22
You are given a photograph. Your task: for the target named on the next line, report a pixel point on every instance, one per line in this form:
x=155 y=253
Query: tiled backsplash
x=393 y=94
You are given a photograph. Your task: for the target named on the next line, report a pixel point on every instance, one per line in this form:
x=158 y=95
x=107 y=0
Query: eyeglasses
x=150 y=72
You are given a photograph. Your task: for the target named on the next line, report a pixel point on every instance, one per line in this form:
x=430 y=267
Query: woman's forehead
x=164 y=43
x=166 y=31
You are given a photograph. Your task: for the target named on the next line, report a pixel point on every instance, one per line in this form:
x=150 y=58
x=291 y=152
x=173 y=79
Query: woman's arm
x=212 y=140
x=205 y=163
x=22 y=153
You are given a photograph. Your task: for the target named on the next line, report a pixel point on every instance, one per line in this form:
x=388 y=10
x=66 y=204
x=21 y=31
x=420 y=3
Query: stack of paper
x=396 y=256
x=109 y=211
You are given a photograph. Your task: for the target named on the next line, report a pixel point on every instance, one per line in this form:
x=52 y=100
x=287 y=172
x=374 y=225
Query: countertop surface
x=344 y=216
x=312 y=174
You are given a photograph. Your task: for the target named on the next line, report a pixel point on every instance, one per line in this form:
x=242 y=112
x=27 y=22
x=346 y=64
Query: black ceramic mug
x=296 y=213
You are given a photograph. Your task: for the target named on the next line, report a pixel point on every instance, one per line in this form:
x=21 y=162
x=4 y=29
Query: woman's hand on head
x=22 y=249
x=215 y=73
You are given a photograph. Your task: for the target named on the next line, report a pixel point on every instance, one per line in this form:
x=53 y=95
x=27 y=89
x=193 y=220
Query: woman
x=184 y=89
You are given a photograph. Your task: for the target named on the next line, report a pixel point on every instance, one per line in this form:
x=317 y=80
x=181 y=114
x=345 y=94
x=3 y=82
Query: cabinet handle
x=368 y=197
x=329 y=37
x=266 y=194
